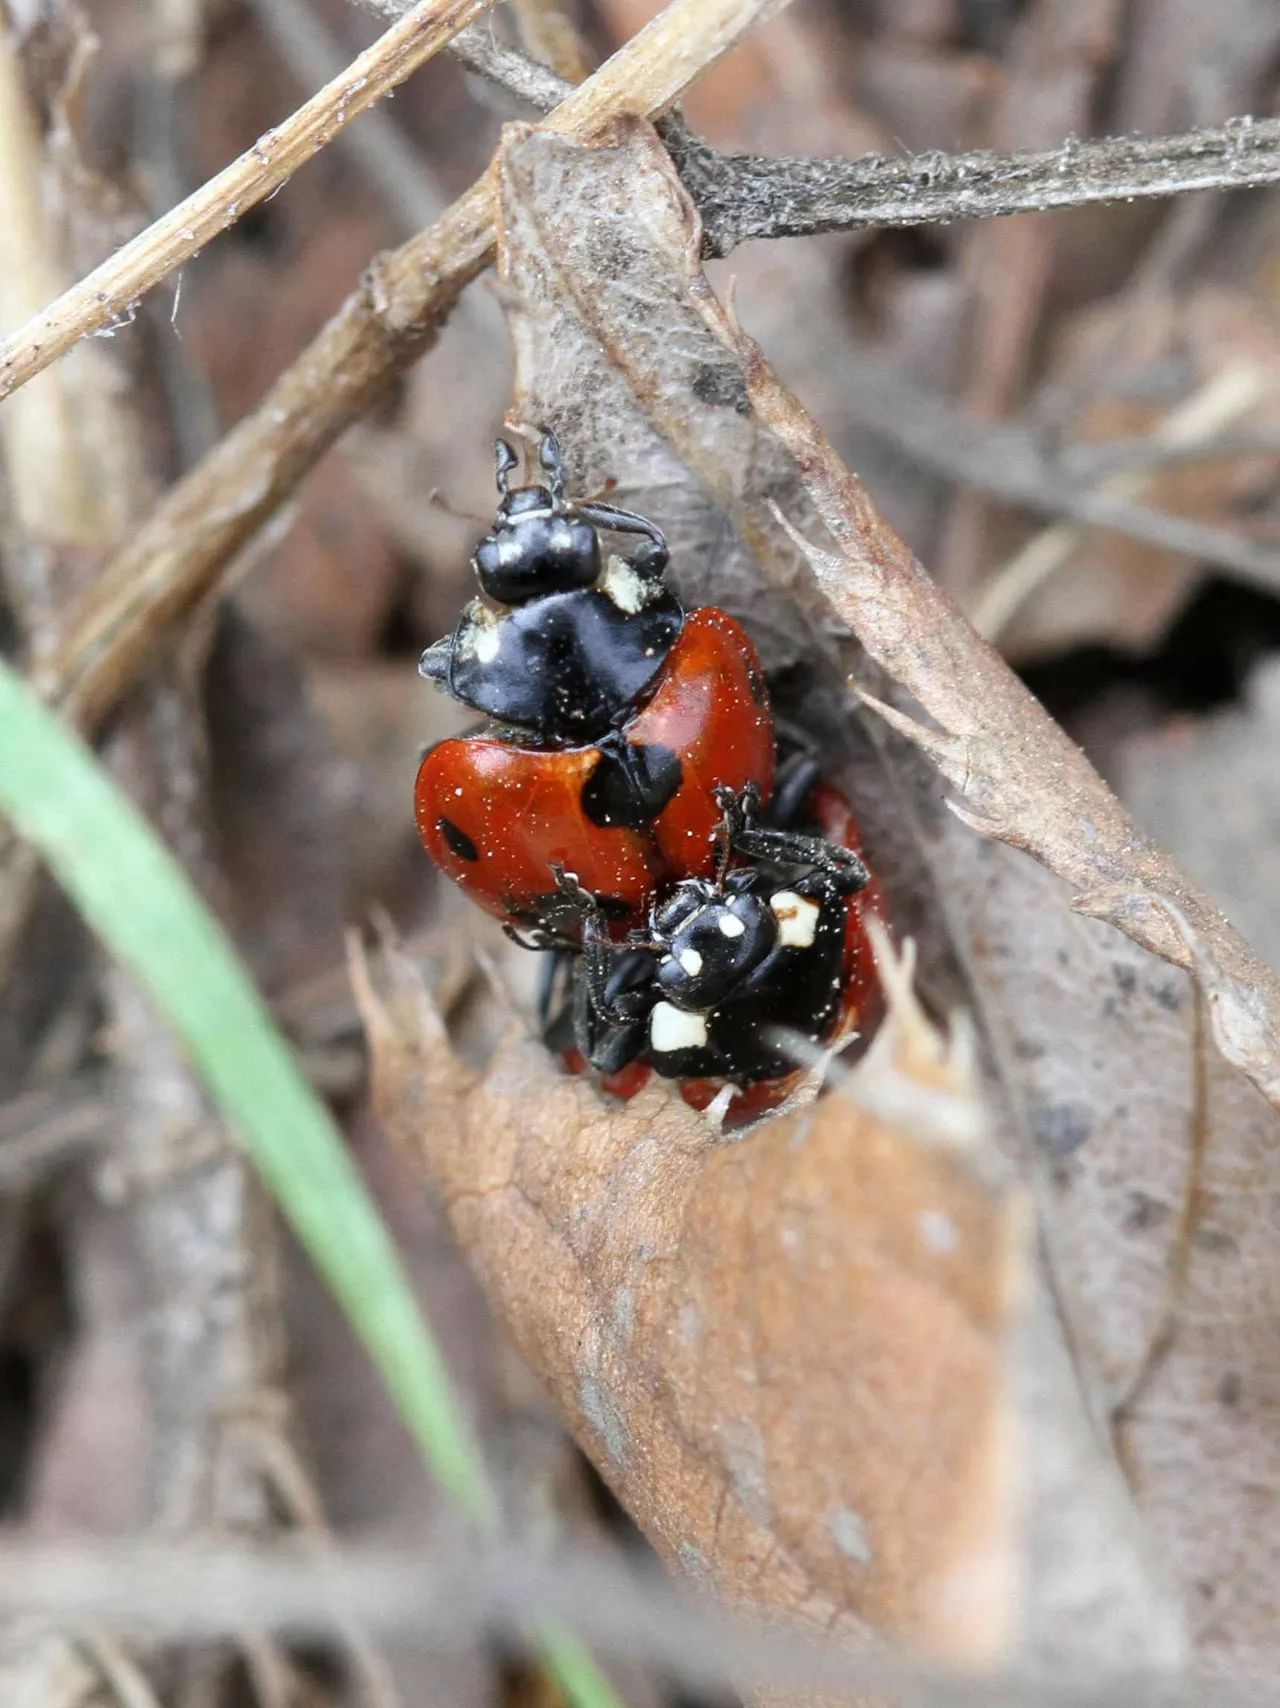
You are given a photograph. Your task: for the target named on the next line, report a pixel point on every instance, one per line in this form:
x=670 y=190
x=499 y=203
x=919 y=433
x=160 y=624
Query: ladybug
x=725 y=963
x=614 y=716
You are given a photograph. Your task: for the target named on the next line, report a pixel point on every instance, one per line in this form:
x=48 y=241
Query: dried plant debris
x=973 y=1350
x=1140 y=1345
x=803 y=1360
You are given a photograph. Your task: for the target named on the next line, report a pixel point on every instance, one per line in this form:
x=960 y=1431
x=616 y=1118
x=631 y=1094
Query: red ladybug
x=781 y=942
x=615 y=717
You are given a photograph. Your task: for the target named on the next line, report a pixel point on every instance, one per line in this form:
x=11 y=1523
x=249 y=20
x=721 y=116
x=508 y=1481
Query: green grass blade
x=143 y=906
x=141 y=903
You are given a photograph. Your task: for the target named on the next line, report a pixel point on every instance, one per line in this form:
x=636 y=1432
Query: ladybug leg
x=792 y=788
x=787 y=847
x=600 y=956
x=608 y=1046
x=540 y=939
x=549 y=979
x=436 y=663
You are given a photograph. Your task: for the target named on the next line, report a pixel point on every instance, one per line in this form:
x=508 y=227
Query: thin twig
x=746 y=196
x=43 y=1132
x=127 y=1681
x=110 y=292
x=1096 y=459
x=752 y=196
x=44 y=473
x=390 y=162
x=480 y=51
x=449 y=1590
x=1003 y=461
x=284 y=1474
x=177 y=557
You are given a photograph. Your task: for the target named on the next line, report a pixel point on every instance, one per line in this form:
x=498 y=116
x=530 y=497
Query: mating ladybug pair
x=625 y=810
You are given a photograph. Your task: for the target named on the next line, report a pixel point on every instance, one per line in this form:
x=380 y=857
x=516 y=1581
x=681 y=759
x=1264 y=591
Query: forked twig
x=111 y=290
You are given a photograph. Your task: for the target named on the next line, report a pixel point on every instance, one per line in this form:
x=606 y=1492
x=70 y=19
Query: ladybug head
x=712 y=937
x=538 y=543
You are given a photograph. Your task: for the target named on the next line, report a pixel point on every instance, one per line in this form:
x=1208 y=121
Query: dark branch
x=745 y=196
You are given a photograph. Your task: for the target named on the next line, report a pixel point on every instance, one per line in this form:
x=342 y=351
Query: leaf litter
x=1104 y=1450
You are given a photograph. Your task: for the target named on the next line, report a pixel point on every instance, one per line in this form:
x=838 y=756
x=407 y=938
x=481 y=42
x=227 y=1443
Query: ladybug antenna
x=552 y=464
x=438 y=501
x=504 y=460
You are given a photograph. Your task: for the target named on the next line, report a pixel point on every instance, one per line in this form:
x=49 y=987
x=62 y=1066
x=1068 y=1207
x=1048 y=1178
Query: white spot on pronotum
x=731 y=925
x=691 y=961
x=629 y=591
x=850 y=1534
x=938 y=1231
x=797 y=919
x=487 y=642
x=671 y=1029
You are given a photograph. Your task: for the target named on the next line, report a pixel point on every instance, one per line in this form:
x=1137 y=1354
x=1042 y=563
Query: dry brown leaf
x=596 y=270
x=815 y=1364
x=789 y=1356
x=1109 y=1099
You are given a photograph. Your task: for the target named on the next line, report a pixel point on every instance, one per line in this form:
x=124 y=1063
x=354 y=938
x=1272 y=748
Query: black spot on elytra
x=459 y=842
x=720 y=385
x=631 y=785
x=757 y=684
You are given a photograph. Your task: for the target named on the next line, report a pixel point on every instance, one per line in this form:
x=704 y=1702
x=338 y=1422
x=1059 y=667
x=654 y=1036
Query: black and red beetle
x=731 y=971
x=615 y=716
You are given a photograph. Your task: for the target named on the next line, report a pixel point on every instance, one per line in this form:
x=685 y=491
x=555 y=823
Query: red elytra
x=495 y=816
x=863 y=996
